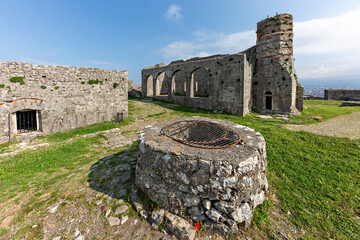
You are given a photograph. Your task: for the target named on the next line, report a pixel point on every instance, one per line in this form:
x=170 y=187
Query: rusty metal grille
x=202 y=134
x=26 y=121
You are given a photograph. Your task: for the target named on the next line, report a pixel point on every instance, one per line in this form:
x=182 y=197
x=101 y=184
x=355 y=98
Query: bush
x=18 y=79
x=2 y=85
x=57 y=87
x=93 y=81
x=82 y=82
x=115 y=85
x=43 y=86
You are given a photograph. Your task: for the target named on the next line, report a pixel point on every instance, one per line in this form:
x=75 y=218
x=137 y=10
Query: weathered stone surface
x=61 y=96
x=191 y=200
x=224 y=206
x=206 y=203
x=208 y=82
x=113 y=221
x=179 y=227
x=207 y=184
x=176 y=150
x=157 y=216
x=124 y=219
x=135 y=93
x=121 y=209
x=242 y=214
x=196 y=214
x=214 y=215
x=258 y=198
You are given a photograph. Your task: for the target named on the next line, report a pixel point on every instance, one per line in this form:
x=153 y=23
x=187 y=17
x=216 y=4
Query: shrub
x=2 y=85
x=115 y=85
x=57 y=87
x=82 y=82
x=18 y=79
x=43 y=86
x=93 y=81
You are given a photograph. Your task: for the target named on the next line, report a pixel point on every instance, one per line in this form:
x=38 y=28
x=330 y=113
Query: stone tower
x=274 y=79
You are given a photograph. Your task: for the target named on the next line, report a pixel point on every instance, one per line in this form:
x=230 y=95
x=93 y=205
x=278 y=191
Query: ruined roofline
x=277 y=16
x=56 y=66
x=195 y=59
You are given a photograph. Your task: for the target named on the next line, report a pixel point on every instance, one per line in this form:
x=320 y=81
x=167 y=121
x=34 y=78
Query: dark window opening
x=268 y=102
x=26 y=121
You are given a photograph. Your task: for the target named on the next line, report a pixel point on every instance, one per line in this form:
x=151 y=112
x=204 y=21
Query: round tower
x=274 y=85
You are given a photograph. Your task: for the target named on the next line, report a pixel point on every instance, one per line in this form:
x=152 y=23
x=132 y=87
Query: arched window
x=268 y=100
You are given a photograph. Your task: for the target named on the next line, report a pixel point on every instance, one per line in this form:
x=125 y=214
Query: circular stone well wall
x=220 y=187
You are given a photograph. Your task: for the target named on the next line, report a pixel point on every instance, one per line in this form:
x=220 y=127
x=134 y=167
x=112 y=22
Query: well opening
x=202 y=134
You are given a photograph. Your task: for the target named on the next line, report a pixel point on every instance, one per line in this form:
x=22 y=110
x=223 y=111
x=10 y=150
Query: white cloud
x=328 y=47
x=323 y=48
x=208 y=43
x=173 y=12
x=328 y=35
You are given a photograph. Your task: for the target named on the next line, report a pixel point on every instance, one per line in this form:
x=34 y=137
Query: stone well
x=218 y=186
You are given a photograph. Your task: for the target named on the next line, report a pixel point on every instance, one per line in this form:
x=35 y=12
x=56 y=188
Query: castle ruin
x=37 y=100
x=261 y=78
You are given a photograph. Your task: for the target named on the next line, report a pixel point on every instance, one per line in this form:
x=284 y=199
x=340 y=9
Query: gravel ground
x=341 y=126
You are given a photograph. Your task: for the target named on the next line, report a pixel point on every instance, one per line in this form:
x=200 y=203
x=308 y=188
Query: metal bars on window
x=26 y=121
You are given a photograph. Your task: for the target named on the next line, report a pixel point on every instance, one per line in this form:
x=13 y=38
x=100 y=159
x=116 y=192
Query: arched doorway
x=178 y=87
x=162 y=87
x=200 y=83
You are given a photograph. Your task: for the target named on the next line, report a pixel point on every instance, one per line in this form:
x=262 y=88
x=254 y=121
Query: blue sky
x=131 y=35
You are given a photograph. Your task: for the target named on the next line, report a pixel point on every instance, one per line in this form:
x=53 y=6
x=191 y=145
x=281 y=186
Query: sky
x=132 y=35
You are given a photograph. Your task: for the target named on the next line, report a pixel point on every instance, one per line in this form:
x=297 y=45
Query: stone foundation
x=220 y=187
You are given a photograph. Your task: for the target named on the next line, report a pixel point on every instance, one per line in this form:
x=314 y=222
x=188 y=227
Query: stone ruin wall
x=240 y=85
x=62 y=95
x=341 y=94
x=219 y=82
x=274 y=69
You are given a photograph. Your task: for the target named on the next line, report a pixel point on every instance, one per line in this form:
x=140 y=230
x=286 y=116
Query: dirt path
x=341 y=126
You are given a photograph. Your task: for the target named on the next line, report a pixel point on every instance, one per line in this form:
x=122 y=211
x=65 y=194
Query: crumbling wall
x=261 y=78
x=66 y=97
x=216 y=82
x=341 y=94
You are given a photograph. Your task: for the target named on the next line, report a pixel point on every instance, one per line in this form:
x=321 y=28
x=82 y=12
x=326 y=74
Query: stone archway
x=200 y=83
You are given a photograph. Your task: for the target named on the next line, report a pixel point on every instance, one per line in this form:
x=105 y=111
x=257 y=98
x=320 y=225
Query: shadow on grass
x=114 y=175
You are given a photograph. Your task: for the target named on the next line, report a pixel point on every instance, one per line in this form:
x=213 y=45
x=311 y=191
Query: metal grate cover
x=202 y=134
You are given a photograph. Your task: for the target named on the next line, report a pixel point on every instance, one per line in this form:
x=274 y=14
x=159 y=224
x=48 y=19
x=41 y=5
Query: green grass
x=316 y=178
x=16 y=172
x=325 y=108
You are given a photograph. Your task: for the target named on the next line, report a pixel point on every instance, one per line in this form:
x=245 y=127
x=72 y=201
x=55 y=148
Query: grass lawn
x=316 y=179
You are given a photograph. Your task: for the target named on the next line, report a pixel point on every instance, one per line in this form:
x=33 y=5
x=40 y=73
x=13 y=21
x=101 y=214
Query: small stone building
x=37 y=100
x=261 y=78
